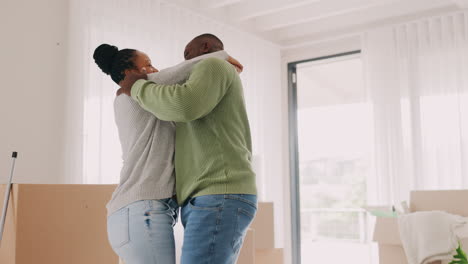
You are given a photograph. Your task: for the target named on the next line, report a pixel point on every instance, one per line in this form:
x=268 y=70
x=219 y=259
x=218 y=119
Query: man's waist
x=236 y=185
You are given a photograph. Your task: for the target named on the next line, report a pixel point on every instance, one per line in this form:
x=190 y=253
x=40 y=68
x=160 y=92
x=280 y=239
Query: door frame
x=294 y=153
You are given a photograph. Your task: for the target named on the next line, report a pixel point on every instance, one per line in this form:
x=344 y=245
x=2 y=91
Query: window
x=332 y=143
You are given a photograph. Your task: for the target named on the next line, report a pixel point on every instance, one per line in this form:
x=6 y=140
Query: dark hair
x=217 y=43
x=113 y=61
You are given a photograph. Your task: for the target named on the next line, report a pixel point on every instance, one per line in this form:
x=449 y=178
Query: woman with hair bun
x=143 y=208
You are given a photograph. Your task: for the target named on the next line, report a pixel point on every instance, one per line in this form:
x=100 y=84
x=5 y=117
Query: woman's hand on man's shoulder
x=130 y=79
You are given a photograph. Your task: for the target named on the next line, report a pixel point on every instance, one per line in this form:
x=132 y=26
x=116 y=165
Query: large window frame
x=294 y=152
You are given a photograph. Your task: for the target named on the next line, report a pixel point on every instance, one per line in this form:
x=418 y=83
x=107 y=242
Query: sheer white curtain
x=161 y=29
x=417 y=75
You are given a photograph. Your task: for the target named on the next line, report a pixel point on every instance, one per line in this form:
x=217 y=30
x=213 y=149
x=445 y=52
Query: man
x=214 y=179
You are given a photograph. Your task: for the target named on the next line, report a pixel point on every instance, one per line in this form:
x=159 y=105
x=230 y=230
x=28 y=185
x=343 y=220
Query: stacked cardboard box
x=247 y=254
x=386 y=232
x=259 y=244
x=56 y=224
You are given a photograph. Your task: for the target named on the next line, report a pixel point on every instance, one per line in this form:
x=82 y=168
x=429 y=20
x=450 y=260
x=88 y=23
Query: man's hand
x=130 y=78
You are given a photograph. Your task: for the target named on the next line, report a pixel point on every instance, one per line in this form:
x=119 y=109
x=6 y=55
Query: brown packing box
x=269 y=256
x=264 y=227
x=388 y=237
x=56 y=224
x=453 y=202
x=386 y=232
x=247 y=253
x=8 y=243
x=390 y=254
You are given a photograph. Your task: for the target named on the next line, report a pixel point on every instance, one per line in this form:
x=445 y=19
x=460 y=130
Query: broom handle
x=7 y=194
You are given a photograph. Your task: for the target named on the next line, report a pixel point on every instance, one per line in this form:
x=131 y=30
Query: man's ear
x=206 y=47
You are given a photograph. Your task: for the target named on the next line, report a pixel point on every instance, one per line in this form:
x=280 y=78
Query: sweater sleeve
x=206 y=86
x=181 y=72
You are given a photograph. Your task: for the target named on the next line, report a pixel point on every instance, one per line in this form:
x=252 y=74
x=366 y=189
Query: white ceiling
x=294 y=22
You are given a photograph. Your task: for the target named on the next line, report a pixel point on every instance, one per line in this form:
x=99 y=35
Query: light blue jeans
x=215 y=227
x=142 y=232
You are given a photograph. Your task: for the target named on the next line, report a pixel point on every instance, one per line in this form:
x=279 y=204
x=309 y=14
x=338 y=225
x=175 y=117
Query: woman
x=143 y=211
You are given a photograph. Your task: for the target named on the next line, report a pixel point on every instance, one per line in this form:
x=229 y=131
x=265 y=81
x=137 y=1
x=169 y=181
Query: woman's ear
x=127 y=71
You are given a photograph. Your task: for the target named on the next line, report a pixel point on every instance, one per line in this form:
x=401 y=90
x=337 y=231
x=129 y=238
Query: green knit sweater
x=213 y=150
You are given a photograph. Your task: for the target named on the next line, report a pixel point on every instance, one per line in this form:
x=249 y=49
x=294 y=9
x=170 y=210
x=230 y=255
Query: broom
x=14 y=155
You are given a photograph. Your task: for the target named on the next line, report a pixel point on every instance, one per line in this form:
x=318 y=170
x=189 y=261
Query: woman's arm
x=180 y=73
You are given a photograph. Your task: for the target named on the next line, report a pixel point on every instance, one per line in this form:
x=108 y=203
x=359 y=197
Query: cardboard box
x=386 y=232
x=453 y=202
x=388 y=237
x=264 y=227
x=57 y=224
x=8 y=243
x=391 y=254
x=247 y=253
x=269 y=256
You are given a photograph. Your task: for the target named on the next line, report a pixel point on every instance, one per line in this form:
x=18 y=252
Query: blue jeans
x=215 y=227
x=142 y=232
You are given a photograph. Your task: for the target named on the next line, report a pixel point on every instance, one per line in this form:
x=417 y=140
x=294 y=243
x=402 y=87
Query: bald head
x=203 y=44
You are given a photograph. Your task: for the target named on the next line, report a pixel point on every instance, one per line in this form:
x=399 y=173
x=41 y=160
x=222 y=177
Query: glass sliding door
x=332 y=144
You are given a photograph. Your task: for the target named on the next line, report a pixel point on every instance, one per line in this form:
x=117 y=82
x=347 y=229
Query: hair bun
x=104 y=56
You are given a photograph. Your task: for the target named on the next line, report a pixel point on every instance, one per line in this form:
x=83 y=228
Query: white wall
x=33 y=51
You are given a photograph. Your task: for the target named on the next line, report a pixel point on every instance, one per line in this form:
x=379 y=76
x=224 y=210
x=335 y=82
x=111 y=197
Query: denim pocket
x=162 y=212
x=207 y=202
x=118 y=228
